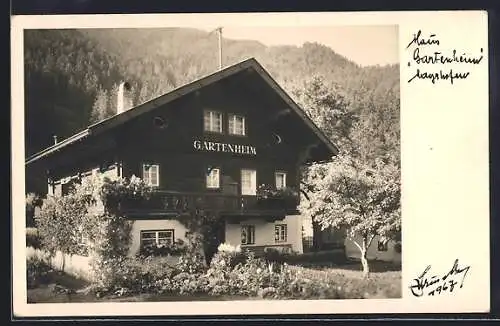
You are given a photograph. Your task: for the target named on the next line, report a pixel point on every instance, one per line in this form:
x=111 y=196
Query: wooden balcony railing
x=163 y=201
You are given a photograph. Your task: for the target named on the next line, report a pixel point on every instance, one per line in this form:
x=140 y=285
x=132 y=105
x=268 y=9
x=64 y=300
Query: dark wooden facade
x=164 y=130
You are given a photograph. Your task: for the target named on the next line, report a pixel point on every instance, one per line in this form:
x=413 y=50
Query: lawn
x=384 y=276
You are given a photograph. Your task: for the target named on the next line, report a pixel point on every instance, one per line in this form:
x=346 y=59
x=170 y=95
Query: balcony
x=163 y=202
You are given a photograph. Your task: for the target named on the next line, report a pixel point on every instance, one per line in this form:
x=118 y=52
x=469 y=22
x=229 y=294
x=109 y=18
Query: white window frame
x=211 y=184
x=280 y=233
x=253 y=176
x=248 y=240
x=157 y=236
x=233 y=118
x=280 y=173
x=146 y=174
x=210 y=127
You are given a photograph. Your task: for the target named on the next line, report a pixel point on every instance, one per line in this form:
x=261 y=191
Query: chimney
x=55 y=139
x=124 y=97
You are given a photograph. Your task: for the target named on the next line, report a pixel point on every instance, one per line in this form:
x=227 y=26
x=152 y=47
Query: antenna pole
x=219 y=33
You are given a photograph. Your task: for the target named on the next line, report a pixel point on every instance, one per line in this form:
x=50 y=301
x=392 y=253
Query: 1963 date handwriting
x=433 y=285
x=425 y=53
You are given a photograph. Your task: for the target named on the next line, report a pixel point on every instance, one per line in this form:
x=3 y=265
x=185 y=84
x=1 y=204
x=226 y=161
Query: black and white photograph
x=218 y=164
x=218 y=161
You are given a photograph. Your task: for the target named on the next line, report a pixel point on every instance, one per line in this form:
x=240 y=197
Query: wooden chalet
x=217 y=141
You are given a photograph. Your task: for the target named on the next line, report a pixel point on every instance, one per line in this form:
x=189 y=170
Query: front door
x=229 y=199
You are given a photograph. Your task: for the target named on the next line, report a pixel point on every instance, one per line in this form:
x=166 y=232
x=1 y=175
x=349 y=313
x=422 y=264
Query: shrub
x=32 y=201
x=192 y=261
x=276 y=256
x=154 y=270
x=33 y=238
x=59 y=223
x=317 y=258
x=157 y=267
x=186 y=283
x=219 y=272
x=132 y=275
x=227 y=260
x=254 y=274
x=256 y=277
x=37 y=271
x=118 y=273
x=234 y=273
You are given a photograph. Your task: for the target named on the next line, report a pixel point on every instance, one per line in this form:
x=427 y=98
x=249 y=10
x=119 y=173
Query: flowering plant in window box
x=125 y=192
x=270 y=197
x=162 y=249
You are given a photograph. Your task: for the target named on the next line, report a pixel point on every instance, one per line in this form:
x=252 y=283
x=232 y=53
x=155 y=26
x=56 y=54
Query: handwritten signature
x=435 y=285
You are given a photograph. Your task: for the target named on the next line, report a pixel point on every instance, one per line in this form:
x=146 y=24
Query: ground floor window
x=66 y=187
x=151 y=238
x=280 y=233
x=247 y=234
x=382 y=245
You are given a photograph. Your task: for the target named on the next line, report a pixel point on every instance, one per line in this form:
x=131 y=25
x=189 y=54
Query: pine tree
x=100 y=109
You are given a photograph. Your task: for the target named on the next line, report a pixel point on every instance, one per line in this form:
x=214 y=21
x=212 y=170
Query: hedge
x=326 y=257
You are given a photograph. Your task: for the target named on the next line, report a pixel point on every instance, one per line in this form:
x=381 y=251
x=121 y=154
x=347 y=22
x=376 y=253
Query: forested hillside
x=71 y=78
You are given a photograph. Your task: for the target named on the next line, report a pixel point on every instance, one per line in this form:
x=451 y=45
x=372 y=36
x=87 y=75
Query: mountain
x=71 y=75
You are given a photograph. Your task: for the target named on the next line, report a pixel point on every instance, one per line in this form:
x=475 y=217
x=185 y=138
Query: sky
x=365 y=45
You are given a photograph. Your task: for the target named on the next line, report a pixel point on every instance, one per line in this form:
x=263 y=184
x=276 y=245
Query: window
x=280 y=233
x=248 y=182
x=280 y=180
x=247 y=234
x=66 y=188
x=213 y=121
x=213 y=178
x=236 y=125
x=382 y=245
x=150 y=174
x=156 y=238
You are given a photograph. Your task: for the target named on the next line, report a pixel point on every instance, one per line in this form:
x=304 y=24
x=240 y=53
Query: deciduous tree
x=363 y=199
x=327 y=106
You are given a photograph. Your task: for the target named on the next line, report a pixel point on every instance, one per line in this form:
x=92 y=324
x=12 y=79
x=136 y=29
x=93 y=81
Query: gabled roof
x=126 y=116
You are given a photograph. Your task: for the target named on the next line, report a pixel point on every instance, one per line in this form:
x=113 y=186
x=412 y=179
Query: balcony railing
x=162 y=201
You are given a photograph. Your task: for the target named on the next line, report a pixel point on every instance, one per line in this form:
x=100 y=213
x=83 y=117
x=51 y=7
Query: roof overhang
x=58 y=146
x=177 y=93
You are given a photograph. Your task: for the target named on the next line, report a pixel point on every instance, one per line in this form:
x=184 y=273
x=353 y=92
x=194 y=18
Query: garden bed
x=60 y=287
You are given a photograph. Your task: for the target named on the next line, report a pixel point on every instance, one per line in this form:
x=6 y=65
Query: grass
x=385 y=276
x=384 y=280
x=353 y=267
